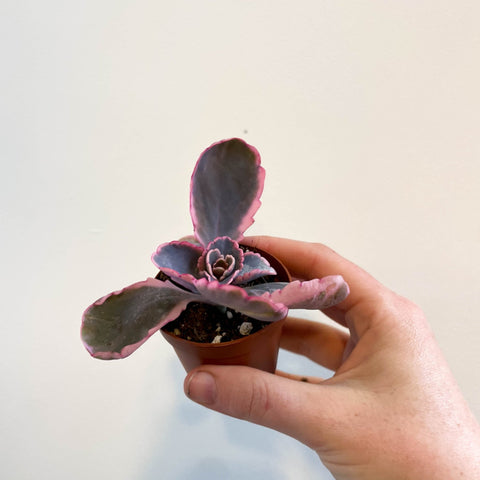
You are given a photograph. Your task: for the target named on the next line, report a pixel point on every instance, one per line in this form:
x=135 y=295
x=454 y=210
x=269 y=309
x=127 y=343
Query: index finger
x=307 y=260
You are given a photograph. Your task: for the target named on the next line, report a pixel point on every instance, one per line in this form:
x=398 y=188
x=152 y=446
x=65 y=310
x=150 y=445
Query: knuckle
x=259 y=401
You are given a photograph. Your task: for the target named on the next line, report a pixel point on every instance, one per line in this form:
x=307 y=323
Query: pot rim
x=188 y=343
x=275 y=262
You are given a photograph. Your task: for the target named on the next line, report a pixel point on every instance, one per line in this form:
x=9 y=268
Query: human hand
x=392 y=410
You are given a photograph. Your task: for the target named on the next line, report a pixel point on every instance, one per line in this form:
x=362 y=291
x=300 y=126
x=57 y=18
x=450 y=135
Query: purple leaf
x=262 y=288
x=236 y=298
x=219 y=267
x=254 y=266
x=221 y=260
x=225 y=190
x=178 y=260
x=117 y=324
x=312 y=295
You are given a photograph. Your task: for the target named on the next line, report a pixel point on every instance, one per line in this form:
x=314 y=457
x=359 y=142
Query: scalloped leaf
x=178 y=260
x=311 y=295
x=221 y=248
x=117 y=324
x=254 y=266
x=236 y=298
x=225 y=190
x=262 y=288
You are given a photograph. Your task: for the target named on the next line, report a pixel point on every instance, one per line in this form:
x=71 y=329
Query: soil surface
x=204 y=323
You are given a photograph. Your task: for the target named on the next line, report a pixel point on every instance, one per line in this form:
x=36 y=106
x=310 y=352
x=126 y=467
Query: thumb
x=295 y=408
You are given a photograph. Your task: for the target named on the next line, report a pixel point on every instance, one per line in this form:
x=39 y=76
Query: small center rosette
x=221 y=261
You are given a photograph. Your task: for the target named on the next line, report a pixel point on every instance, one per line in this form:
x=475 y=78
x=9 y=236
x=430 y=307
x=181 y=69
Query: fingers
x=300 y=378
x=265 y=399
x=320 y=343
x=313 y=260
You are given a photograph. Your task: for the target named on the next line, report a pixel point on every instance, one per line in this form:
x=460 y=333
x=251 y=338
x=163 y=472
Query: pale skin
x=392 y=410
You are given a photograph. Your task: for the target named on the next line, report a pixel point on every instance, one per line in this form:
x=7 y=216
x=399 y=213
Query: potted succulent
x=209 y=277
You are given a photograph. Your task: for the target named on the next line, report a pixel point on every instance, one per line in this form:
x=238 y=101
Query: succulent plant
x=209 y=267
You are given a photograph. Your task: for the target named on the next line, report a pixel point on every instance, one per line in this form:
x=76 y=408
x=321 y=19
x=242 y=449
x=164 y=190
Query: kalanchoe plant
x=210 y=267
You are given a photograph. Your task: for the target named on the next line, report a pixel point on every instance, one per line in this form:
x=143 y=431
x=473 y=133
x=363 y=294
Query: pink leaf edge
x=313 y=294
x=248 y=219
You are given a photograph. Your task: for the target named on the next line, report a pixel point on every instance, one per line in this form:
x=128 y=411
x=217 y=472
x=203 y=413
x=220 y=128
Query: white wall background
x=366 y=114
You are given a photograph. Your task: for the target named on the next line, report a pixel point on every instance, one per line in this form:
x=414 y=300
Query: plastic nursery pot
x=258 y=350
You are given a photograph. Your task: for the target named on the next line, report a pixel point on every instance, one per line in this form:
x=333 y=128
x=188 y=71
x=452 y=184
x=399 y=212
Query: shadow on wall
x=195 y=443
x=192 y=442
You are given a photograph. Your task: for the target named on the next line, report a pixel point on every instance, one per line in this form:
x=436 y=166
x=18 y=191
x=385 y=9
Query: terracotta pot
x=258 y=350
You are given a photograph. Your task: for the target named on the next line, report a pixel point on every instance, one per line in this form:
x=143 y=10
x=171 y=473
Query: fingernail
x=201 y=388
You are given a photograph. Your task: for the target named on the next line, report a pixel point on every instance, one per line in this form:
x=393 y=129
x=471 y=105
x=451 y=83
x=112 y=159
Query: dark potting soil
x=204 y=323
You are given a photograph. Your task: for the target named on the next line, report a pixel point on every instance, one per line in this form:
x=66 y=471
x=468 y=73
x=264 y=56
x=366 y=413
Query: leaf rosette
x=210 y=267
